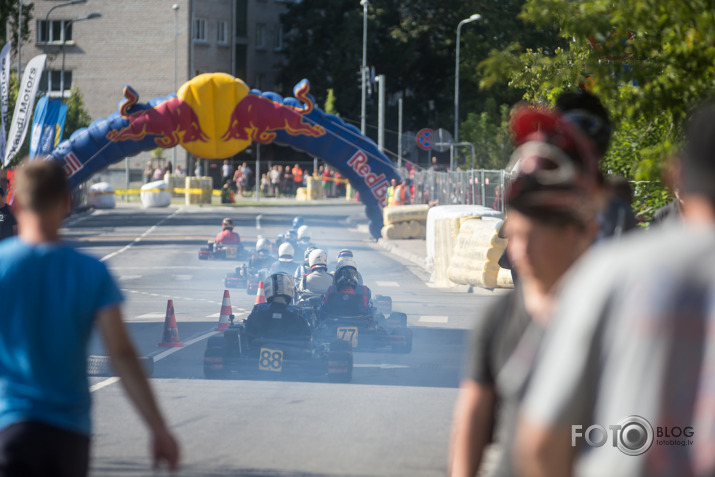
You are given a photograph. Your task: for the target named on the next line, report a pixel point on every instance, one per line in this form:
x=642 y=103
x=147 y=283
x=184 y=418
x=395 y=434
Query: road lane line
x=155 y=358
x=433 y=319
x=103 y=384
x=139 y=239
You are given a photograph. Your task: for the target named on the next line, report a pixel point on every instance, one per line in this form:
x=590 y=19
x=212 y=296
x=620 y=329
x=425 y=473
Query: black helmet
x=346 y=277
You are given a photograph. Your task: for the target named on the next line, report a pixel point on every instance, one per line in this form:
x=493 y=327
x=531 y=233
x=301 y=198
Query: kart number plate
x=348 y=333
x=271 y=360
x=231 y=252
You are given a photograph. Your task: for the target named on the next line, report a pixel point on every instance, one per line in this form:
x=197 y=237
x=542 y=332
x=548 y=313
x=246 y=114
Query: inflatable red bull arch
x=215 y=116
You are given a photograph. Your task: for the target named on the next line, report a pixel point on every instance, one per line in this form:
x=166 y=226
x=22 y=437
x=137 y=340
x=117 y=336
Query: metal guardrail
x=473 y=187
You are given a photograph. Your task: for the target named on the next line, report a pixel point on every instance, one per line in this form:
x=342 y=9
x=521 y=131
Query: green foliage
x=411 y=42
x=9 y=13
x=77 y=116
x=330 y=103
x=489 y=132
x=650 y=61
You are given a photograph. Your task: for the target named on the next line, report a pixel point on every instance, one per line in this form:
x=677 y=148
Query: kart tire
x=214 y=363
x=397 y=320
x=204 y=249
x=340 y=366
x=402 y=348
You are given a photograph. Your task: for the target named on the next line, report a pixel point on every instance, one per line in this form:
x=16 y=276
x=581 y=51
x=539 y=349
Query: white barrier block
x=155 y=194
x=101 y=196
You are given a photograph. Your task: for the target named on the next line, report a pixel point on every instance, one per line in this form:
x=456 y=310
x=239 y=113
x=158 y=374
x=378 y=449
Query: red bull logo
x=257 y=118
x=172 y=122
x=378 y=184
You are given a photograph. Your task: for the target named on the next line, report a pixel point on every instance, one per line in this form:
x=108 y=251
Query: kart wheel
x=401 y=340
x=383 y=304
x=204 y=253
x=214 y=363
x=340 y=366
x=397 y=320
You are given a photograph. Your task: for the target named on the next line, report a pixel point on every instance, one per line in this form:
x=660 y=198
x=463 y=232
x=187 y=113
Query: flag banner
x=60 y=125
x=44 y=127
x=4 y=93
x=24 y=106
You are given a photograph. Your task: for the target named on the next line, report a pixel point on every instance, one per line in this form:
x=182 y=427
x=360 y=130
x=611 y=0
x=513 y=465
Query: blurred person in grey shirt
x=625 y=381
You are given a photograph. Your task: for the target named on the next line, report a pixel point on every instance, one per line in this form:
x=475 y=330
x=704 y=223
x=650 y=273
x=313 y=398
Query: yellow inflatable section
x=214 y=97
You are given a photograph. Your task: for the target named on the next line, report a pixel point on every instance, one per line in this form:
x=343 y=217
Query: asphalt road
x=393 y=419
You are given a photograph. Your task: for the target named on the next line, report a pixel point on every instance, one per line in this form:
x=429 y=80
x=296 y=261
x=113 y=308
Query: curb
x=396 y=250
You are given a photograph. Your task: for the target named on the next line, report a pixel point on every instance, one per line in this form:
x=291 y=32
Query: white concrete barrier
x=101 y=196
x=155 y=194
x=450 y=212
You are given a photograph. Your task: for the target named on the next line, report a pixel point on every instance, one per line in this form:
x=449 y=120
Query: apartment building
x=99 y=46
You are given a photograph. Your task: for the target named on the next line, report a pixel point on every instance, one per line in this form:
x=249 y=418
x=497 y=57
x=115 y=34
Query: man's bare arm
x=129 y=369
x=471 y=429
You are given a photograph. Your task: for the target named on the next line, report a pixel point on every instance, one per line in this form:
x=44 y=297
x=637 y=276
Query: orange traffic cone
x=260 y=294
x=171 y=332
x=226 y=311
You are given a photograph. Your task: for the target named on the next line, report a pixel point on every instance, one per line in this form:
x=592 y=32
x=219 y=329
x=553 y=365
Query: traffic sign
x=424 y=139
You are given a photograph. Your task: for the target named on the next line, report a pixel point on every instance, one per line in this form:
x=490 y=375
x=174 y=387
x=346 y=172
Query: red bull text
x=378 y=184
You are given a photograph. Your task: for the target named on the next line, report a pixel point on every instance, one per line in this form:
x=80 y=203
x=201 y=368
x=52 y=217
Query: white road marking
x=103 y=384
x=182 y=277
x=215 y=315
x=381 y=366
x=387 y=284
x=433 y=319
x=129 y=277
x=139 y=239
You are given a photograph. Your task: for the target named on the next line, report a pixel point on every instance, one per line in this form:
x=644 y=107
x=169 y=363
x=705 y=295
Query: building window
x=54 y=31
x=260 y=36
x=51 y=81
x=200 y=29
x=221 y=29
x=278 y=37
x=241 y=61
x=241 y=18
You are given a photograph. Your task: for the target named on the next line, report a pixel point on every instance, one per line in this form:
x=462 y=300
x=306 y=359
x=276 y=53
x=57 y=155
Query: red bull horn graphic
x=257 y=118
x=172 y=122
x=215 y=116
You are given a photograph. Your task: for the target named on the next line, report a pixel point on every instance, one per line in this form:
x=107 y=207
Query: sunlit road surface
x=393 y=419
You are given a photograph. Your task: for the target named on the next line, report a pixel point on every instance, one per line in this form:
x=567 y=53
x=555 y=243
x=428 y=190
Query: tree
x=77 y=116
x=9 y=13
x=649 y=61
x=411 y=42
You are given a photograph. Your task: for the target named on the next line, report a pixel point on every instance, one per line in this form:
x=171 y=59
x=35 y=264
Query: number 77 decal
x=348 y=333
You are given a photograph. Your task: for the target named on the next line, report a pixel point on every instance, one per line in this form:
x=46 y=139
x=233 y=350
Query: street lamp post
x=363 y=69
x=175 y=7
x=91 y=16
x=47 y=17
x=474 y=17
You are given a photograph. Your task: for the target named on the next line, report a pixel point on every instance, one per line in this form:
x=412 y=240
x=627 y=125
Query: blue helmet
x=297 y=222
x=291 y=236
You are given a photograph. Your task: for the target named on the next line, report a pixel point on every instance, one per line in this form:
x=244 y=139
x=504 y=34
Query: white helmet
x=303 y=232
x=279 y=285
x=347 y=262
x=285 y=252
x=263 y=244
x=318 y=258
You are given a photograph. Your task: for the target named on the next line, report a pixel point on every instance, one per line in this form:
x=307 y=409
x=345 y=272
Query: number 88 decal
x=271 y=360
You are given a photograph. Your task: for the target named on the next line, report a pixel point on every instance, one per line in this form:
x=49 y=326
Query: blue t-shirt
x=49 y=297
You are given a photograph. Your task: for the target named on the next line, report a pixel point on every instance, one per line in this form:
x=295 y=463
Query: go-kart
x=366 y=331
x=245 y=277
x=274 y=346
x=221 y=251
